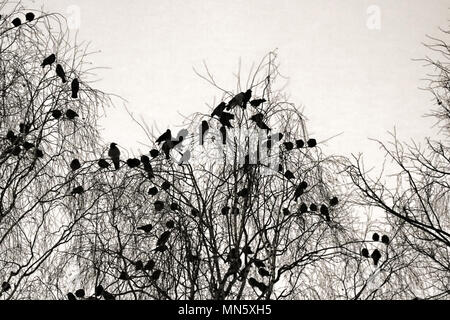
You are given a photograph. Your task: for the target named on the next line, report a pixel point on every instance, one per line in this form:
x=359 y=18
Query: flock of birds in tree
x=221 y=113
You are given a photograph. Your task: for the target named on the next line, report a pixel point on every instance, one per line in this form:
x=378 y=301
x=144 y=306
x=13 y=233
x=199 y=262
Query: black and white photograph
x=224 y=156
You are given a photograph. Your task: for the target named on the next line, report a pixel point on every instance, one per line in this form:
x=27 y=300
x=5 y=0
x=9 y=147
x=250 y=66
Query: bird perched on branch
x=114 y=154
x=376 y=255
x=223 y=132
x=203 y=130
x=237 y=100
x=102 y=163
x=49 y=60
x=247 y=97
x=311 y=143
x=166 y=136
x=147 y=166
x=60 y=73
x=289 y=175
x=75 y=86
x=29 y=16
x=218 y=110
x=225 y=118
x=70 y=114
x=153 y=191
x=365 y=253
x=133 y=163
x=77 y=190
x=154 y=153
x=159 y=205
x=163 y=238
x=75 y=164
x=258 y=120
x=376 y=237
x=16 y=22
x=257 y=102
x=80 y=293
x=56 y=114
x=146 y=228
x=334 y=201
x=299 y=143
x=385 y=239
x=303 y=208
x=313 y=207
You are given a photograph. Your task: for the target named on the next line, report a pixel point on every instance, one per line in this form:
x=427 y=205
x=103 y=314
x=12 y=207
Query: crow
x=243 y=193
x=303 y=208
x=77 y=190
x=289 y=175
x=153 y=191
x=311 y=143
x=49 y=60
x=108 y=296
x=5 y=286
x=225 y=210
x=154 y=153
x=29 y=16
x=324 y=210
x=303 y=185
x=155 y=275
x=365 y=253
x=376 y=255
x=149 y=265
x=170 y=224
x=114 y=154
x=165 y=185
x=75 y=165
x=75 y=86
x=334 y=201
x=218 y=110
x=223 y=132
x=80 y=293
x=247 y=250
x=159 y=205
x=56 y=114
x=99 y=290
x=225 y=118
x=195 y=212
x=298 y=192
x=162 y=248
x=124 y=276
x=299 y=143
x=253 y=282
x=28 y=145
x=237 y=100
x=166 y=136
x=16 y=22
x=313 y=207
x=38 y=153
x=174 y=206
x=10 y=135
x=263 y=272
x=163 y=238
x=385 y=239
x=102 y=163
x=258 y=263
x=204 y=128
x=60 y=73
x=133 y=163
x=286 y=211
x=139 y=265
x=376 y=237
x=288 y=145
x=70 y=114
x=258 y=120
x=24 y=127
x=255 y=103
x=246 y=99
x=147 y=166
x=146 y=228
x=71 y=296
x=167 y=146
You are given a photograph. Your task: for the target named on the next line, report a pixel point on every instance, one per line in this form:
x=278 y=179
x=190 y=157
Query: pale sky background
x=347 y=77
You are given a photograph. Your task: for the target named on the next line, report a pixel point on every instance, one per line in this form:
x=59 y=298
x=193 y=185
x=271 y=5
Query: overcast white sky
x=348 y=77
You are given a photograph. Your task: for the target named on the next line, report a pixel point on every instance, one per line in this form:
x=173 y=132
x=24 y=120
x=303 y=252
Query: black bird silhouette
x=38 y=153
x=163 y=238
x=147 y=166
x=286 y=211
x=155 y=275
x=154 y=153
x=60 y=73
x=24 y=127
x=28 y=145
x=376 y=255
x=365 y=253
x=170 y=224
x=258 y=263
x=10 y=135
x=167 y=147
x=225 y=118
x=75 y=164
x=299 y=143
x=16 y=22
x=149 y=265
x=225 y=210
x=108 y=296
x=174 y=206
x=263 y=272
x=385 y=239
x=153 y=191
x=165 y=185
x=99 y=290
x=298 y=192
x=102 y=163
x=16 y=150
x=5 y=286
x=159 y=205
x=311 y=143
x=161 y=249
x=75 y=86
x=313 y=207
x=288 y=145
x=133 y=163
x=243 y=193
x=218 y=110
x=139 y=265
x=247 y=249
x=258 y=120
x=71 y=296
x=289 y=175
x=204 y=128
x=257 y=102
x=124 y=276
x=166 y=136
x=77 y=190
x=195 y=212
x=334 y=201
x=325 y=212
x=303 y=185
x=376 y=237
x=114 y=154
x=49 y=60
x=253 y=282
x=56 y=114
x=29 y=16
x=146 y=228
x=223 y=132
x=237 y=100
x=246 y=99
x=80 y=293
x=303 y=208
x=70 y=114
